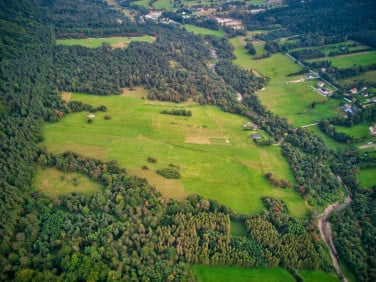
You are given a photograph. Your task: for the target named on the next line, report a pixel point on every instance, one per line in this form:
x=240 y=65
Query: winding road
x=326 y=229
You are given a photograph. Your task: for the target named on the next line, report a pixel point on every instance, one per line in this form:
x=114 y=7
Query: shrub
x=169 y=173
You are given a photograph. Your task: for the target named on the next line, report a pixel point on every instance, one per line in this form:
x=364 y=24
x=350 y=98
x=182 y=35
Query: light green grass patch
x=318 y=276
x=346 y=61
x=230 y=169
x=367 y=177
x=115 y=41
x=163 y=5
x=290 y=100
x=357 y=131
x=326 y=49
x=53 y=183
x=143 y=3
x=207 y=273
x=203 y=31
x=363 y=79
x=256 y=2
x=238 y=229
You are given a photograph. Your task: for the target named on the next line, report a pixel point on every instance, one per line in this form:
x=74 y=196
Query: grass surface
x=290 y=100
x=53 y=183
x=367 y=177
x=345 y=61
x=207 y=145
x=363 y=79
x=143 y=3
x=238 y=228
x=326 y=49
x=163 y=4
x=116 y=41
x=359 y=130
x=206 y=273
x=318 y=276
x=331 y=143
x=203 y=31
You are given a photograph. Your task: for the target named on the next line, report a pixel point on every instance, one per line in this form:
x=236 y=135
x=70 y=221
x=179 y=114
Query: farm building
x=250 y=126
x=354 y=90
x=320 y=84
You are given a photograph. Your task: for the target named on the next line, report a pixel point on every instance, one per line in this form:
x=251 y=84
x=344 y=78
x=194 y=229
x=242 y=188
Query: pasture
x=331 y=143
x=357 y=131
x=207 y=273
x=326 y=49
x=163 y=5
x=348 y=60
x=367 y=78
x=290 y=100
x=318 y=276
x=115 y=41
x=143 y=3
x=203 y=30
x=367 y=177
x=206 y=145
x=53 y=183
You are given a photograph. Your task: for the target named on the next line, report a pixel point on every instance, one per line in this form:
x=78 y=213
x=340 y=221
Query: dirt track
x=326 y=231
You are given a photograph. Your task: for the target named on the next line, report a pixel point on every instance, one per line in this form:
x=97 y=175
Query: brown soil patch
x=120 y=45
x=66 y=96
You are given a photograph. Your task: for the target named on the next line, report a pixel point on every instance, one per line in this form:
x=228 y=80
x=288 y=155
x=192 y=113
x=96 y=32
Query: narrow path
x=326 y=229
x=311 y=124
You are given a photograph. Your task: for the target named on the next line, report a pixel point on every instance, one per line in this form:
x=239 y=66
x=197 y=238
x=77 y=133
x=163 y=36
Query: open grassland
x=290 y=100
x=366 y=78
x=318 y=276
x=203 y=31
x=53 y=183
x=336 y=47
x=115 y=41
x=143 y=3
x=216 y=157
x=207 y=273
x=357 y=131
x=163 y=5
x=238 y=229
x=346 y=61
x=367 y=177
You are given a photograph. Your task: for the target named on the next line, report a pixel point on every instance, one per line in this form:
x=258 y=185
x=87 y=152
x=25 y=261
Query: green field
x=116 y=41
x=357 y=131
x=143 y=3
x=326 y=49
x=346 y=61
x=367 y=177
x=203 y=31
x=238 y=228
x=364 y=79
x=207 y=273
x=256 y=2
x=318 y=276
x=206 y=145
x=283 y=96
x=53 y=183
x=163 y=5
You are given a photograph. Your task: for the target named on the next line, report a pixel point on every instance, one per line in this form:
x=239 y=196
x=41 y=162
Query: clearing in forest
x=53 y=183
x=290 y=100
x=115 y=41
x=203 y=30
x=228 y=167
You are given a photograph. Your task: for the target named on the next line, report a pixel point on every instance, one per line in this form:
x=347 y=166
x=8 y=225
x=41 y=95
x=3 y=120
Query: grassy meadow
x=53 y=183
x=203 y=31
x=207 y=273
x=367 y=177
x=143 y=3
x=238 y=229
x=318 y=276
x=115 y=41
x=204 y=146
x=358 y=130
x=163 y=5
x=283 y=96
x=348 y=60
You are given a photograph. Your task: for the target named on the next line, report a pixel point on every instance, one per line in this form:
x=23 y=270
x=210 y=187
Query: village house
x=354 y=90
x=320 y=84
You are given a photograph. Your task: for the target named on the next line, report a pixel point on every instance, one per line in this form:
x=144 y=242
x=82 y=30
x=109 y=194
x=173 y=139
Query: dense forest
x=127 y=230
